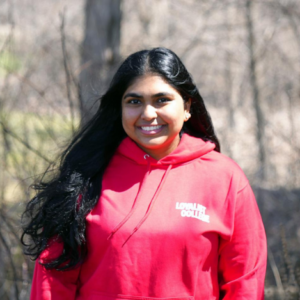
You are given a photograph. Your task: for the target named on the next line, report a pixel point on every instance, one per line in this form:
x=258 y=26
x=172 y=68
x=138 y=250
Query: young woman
x=143 y=205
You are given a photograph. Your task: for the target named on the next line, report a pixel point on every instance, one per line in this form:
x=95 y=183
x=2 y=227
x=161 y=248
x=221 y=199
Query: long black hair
x=64 y=199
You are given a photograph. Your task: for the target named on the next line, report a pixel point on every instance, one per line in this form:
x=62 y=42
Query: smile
x=149 y=130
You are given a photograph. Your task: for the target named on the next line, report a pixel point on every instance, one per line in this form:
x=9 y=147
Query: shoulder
x=222 y=168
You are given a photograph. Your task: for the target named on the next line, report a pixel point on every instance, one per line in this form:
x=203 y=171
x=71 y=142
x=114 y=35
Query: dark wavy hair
x=63 y=200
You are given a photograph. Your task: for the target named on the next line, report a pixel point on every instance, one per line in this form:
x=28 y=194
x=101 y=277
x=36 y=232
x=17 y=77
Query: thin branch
x=275 y=272
x=24 y=143
x=197 y=38
x=287 y=139
x=67 y=72
x=9 y=225
x=7 y=40
x=13 y=267
x=288 y=11
x=40 y=93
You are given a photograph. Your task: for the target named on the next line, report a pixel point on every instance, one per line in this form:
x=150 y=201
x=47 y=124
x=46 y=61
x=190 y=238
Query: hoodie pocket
x=102 y=296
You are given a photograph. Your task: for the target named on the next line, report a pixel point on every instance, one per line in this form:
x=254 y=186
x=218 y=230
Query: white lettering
x=201 y=208
x=189 y=213
x=193 y=210
x=190 y=206
x=182 y=205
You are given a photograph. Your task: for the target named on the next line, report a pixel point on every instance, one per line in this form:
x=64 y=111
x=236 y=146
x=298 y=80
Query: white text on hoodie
x=193 y=210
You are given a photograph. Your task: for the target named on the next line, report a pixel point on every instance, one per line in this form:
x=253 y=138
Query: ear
x=187 y=107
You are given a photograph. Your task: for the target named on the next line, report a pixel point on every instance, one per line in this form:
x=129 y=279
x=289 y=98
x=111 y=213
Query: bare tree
x=100 y=50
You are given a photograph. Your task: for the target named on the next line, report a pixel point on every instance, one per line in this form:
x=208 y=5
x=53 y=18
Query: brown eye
x=163 y=100
x=134 y=101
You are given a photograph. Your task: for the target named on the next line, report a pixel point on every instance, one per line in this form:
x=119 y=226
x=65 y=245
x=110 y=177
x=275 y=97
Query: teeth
x=149 y=128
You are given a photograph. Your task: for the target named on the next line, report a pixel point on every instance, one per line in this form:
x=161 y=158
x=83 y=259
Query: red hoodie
x=184 y=227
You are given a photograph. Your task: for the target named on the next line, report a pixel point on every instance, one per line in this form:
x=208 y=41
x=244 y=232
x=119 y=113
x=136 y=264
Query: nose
x=149 y=112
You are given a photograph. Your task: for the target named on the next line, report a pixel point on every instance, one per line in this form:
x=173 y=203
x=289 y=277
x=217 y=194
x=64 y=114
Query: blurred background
x=57 y=57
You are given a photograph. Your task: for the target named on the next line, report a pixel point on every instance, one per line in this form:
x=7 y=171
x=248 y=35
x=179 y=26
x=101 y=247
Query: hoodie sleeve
x=243 y=258
x=53 y=284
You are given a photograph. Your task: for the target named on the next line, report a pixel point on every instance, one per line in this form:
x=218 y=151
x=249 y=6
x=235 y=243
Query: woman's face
x=153 y=113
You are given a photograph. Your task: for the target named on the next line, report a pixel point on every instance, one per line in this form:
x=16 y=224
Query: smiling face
x=153 y=113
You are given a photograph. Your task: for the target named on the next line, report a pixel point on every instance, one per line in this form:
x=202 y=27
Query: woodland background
x=57 y=57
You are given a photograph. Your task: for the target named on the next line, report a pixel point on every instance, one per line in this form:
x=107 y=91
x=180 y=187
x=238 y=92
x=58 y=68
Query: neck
x=162 y=150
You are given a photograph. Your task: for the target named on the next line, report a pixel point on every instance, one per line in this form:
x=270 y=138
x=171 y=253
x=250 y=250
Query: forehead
x=150 y=84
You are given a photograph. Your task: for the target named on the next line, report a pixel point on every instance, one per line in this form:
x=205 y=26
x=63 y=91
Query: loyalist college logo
x=193 y=210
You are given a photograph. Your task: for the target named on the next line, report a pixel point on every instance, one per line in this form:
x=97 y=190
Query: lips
x=151 y=129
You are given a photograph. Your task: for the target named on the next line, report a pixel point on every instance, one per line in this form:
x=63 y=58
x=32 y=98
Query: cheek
x=128 y=117
x=174 y=116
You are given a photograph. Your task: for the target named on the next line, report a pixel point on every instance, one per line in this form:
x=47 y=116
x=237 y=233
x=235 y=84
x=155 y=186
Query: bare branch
x=13 y=267
x=66 y=68
x=24 y=143
x=275 y=272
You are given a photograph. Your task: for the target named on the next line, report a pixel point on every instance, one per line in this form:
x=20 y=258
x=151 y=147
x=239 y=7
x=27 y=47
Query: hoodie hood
x=188 y=149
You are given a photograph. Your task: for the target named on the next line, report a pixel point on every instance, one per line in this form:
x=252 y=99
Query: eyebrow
x=135 y=95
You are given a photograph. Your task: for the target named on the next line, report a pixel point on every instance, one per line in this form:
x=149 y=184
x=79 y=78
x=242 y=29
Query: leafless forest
x=57 y=57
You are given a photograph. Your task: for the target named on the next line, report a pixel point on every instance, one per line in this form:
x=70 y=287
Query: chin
x=154 y=141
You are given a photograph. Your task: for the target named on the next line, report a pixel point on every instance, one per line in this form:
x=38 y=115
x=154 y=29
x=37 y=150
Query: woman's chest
x=153 y=209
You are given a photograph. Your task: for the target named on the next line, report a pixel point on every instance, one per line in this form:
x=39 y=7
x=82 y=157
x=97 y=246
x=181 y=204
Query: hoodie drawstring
x=151 y=204
x=134 y=202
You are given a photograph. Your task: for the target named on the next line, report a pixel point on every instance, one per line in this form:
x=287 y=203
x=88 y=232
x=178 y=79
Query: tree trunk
x=255 y=93
x=228 y=70
x=100 y=52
